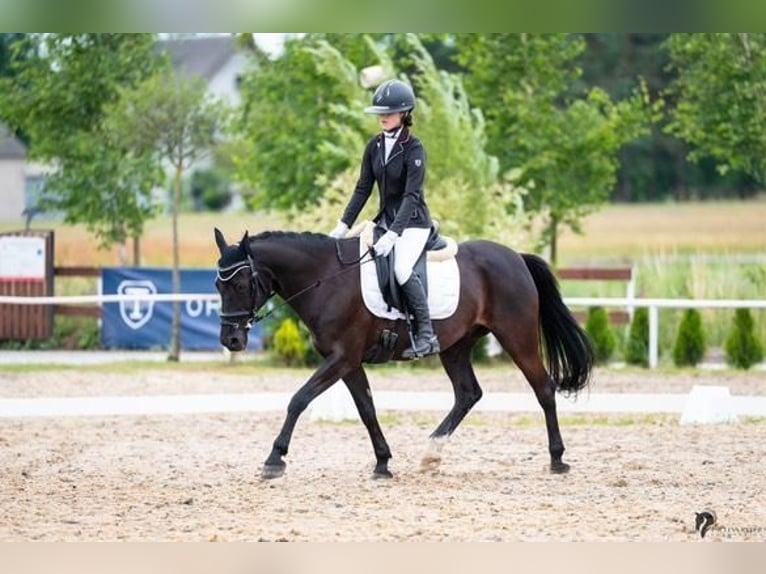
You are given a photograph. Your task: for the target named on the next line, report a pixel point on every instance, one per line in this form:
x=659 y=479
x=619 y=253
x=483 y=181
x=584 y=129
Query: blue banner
x=147 y=324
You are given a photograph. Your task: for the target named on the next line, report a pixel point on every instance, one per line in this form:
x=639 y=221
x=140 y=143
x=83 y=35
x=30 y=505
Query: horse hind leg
x=457 y=363
x=524 y=349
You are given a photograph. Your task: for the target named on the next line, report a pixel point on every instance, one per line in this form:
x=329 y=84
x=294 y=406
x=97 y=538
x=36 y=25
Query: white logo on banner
x=136 y=313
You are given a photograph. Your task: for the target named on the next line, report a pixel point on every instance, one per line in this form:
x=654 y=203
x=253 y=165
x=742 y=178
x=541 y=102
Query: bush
x=289 y=345
x=601 y=334
x=637 y=348
x=690 y=342
x=210 y=190
x=480 y=352
x=743 y=349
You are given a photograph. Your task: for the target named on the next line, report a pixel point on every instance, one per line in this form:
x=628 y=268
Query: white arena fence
x=630 y=303
x=704 y=404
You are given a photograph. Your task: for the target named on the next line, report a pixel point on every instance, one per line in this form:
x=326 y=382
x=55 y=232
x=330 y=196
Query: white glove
x=385 y=244
x=340 y=231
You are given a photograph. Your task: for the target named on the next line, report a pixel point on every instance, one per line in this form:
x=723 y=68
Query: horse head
x=244 y=289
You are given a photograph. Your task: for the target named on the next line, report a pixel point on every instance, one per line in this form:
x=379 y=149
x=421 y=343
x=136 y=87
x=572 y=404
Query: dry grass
x=632 y=231
x=617 y=232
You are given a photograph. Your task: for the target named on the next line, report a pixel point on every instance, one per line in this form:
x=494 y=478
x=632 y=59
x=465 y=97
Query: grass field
x=617 y=233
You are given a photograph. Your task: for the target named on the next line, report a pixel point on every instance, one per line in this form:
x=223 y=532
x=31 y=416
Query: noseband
x=234 y=318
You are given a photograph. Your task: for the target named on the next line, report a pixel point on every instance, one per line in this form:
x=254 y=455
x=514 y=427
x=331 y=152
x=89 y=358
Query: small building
x=13 y=176
x=219 y=60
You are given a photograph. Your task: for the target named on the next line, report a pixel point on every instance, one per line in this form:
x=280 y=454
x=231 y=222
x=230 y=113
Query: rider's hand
x=385 y=244
x=340 y=231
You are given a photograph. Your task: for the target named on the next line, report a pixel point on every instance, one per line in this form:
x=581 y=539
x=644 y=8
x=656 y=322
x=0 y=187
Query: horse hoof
x=382 y=474
x=559 y=468
x=273 y=471
x=430 y=463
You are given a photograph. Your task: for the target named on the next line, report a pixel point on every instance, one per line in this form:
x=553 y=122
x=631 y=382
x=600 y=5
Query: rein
x=227 y=273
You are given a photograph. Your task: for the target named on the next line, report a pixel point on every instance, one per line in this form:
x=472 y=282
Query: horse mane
x=303 y=236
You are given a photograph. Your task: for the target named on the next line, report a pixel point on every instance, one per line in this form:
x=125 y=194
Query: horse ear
x=220 y=241
x=244 y=242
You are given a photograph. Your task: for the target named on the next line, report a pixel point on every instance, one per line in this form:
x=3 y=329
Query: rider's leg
x=409 y=247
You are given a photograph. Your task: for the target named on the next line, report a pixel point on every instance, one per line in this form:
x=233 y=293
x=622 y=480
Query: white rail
x=653 y=305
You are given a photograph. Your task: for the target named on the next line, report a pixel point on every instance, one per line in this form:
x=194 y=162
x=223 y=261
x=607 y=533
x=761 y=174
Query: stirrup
x=432 y=349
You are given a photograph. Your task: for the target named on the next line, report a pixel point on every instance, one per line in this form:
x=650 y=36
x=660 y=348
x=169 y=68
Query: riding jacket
x=400 y=184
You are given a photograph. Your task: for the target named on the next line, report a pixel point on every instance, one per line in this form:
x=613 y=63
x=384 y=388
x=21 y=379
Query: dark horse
x=513 y=296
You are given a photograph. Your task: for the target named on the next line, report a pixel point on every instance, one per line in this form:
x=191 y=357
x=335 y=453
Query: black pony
x=513 y=296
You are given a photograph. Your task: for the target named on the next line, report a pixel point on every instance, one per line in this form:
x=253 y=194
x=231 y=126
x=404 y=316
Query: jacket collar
x=404 y=137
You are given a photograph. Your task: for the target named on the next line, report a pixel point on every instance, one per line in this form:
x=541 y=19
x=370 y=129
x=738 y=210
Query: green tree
x=284 y=120
x=601 y=334
x=465 y=192
x=637 y=346
x=721 y=98
x=56 y=95
x=743 y=348
x=689 y=348
x=173 y=120
x=566 y=147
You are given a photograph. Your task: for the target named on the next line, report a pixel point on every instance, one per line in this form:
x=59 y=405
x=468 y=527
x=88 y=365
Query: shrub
x=289 y=345
x=743 y=349
x=689 y=348
x=210 y=190
x=601 y=334
x=480 y=353
x=637 y=348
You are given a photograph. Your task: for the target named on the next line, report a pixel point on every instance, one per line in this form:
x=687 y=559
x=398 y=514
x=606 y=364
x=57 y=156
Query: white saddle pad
x=443 y=288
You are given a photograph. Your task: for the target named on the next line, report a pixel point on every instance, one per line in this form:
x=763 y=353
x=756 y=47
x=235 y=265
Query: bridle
x=234 y=318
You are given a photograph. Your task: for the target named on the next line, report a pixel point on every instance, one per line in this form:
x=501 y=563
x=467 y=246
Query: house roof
x=10 y=146
x=201 y=56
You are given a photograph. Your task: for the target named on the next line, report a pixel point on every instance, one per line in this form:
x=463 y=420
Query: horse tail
x=568 y=348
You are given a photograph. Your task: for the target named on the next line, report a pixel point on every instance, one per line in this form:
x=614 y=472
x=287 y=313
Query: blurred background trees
x=525 y=132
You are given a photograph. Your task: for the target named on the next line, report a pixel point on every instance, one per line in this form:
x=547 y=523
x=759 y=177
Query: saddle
x=381 y=293
x=437 y=248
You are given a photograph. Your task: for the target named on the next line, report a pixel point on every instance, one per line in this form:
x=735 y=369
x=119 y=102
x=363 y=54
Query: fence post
x=630 y=292
x=654 y=331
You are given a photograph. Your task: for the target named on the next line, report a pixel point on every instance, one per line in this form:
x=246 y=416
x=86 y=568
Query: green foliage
x=284 y=120
x=480 y=352
x=567 y=148
x=56 y=95
x=289 y=344
x=464 y=190
x=601 y=334
x=637 y=346
x=689 y=348
x=172 y=120
x=210 y=189
x=721 y=94
x=743 y=348
x=69 y=333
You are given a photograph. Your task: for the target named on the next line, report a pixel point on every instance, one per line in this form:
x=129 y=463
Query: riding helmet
x=391 y=97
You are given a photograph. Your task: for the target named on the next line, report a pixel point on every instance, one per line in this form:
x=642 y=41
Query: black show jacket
x=400 y=183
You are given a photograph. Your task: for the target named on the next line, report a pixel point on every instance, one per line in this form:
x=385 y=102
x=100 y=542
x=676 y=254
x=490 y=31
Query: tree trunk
x=175 y=339
x=136 y=251
x=553 y=232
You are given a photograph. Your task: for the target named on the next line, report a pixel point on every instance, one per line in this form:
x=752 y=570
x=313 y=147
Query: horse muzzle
x=233 y=339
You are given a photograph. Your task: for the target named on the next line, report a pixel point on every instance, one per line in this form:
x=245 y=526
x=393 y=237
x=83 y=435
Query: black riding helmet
x=391 y=97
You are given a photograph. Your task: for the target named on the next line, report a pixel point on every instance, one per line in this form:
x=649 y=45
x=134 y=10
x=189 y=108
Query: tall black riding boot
x=426 y=342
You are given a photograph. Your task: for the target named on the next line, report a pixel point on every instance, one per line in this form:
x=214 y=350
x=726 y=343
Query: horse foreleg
x=327 y=375
x=457 y=363
x=359 y=387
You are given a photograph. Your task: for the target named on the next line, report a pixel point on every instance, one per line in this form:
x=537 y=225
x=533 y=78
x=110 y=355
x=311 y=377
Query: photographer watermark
x=707 y=521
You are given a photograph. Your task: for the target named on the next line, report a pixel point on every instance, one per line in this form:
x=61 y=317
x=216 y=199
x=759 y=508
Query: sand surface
x=196 y=477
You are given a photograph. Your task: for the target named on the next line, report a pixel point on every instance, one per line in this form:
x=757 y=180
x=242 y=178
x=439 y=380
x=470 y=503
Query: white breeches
x=408 y=248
